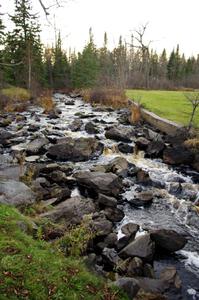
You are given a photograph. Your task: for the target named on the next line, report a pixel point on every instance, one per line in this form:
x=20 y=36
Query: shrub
x=46 y=102
x=14 y=99
x=115 y=98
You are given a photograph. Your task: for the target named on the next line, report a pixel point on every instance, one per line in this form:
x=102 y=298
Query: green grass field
x=171 y=105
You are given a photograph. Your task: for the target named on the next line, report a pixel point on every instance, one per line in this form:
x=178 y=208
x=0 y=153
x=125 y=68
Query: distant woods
x=26 y=62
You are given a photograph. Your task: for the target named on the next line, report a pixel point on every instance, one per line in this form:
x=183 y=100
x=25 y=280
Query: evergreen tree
x=23 y=47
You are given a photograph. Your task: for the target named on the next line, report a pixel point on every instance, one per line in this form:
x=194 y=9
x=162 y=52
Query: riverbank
x=81 y=161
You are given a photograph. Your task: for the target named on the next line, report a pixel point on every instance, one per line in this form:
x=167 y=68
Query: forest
x=26 y=62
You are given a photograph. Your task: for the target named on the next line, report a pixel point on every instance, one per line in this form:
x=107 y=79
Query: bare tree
x=138 y=35
x=193 y=98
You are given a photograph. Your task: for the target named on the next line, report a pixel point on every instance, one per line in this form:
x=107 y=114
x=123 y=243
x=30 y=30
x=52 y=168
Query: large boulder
x=16 y=193
x=99 y=182
x=36 y=146
x=80 y=149
x=91 y=128
x=168 y=240
x=177 y=156
x=142 y=247
x=120 y=133
x=155 y=148
x=5 y=137
x=71 y=211
x=118 y=165
x=142 y=199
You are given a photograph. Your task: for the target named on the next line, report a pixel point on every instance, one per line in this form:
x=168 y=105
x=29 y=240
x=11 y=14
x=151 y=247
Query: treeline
x=25 y=62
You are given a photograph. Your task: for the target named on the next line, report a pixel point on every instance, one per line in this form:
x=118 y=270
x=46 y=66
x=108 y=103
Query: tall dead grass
x=46 y=101
x=115 y=98
x=14 y=99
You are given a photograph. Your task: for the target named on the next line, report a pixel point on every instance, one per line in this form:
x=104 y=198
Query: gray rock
x=36 y=146
x=110 y=257
x=119 y=166
x=142 y=143
x=168 y=240
x=129 y=285
x=114 y=214
x=76 y=125
x=142 y=247
x=16 y=193
x=71 y=211
x=130 y=228
x=91 y=128
x=125 y=148
x=102 y=226
x=120 y=133
x=107 y=201
x=80 y=149
x=142 y=199
x=105 y=183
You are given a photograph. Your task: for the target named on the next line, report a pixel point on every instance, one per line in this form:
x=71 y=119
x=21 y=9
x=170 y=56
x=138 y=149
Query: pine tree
x=24 y=48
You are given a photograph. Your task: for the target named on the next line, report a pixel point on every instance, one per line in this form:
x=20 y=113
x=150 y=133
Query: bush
x=192 y=144
x=46 y=102
x=115 y=98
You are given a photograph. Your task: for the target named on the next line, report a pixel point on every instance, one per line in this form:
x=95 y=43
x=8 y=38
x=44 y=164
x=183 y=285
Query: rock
x=119 y=166
x=102 y=226
x=120 y=133
x=152 y=285
x=142 y=143
x=5 y=136
x=148 y=271
x=91 y=128
x=143 y=177
x=103 y=183
x=60 y=194
x=32 y=158
x=107 y=201
x=142 y=199
x=125 y=148
x=130 y=229
x=76 y=125
x=71 y=211
x=155 y=148
x=114 y=214
x=135 y=267
x=177 y=156
x=168 y=240
x=57 y=176
x=142 y=247
x=129 y=285
x=37 y=146
x=110 y=257
x=80 y=149
x=152 y=135
x=33 y=128
x=170 y=275
x=15 y=193
x=124 y=241
x=109 y=241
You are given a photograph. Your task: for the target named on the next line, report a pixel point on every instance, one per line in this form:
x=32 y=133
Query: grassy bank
x=171 y=105
x=34 y=269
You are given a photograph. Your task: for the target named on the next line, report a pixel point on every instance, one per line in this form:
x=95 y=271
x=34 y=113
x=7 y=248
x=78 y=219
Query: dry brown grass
x=46 y=102
x=135 y=114
x=14 y=99
x=192 y=144
x=115 y=98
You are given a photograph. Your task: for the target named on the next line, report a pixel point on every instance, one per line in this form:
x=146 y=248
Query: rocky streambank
x=139 y=187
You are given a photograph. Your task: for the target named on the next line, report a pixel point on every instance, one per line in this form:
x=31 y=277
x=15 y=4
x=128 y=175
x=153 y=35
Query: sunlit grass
x=16 y=93
x=171 y=105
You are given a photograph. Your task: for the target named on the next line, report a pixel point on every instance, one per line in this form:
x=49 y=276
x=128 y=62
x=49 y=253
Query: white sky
x=171 y=22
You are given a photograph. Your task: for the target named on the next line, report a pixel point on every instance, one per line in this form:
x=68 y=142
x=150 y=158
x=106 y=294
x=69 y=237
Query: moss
x=34 y=269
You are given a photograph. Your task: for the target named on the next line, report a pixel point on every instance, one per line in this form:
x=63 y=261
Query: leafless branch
x=193 y=98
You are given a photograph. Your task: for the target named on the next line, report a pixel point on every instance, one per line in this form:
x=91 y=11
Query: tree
x=193 y=98
x=23 y=46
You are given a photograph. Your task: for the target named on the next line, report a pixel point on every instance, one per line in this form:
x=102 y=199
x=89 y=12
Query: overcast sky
x=171 y=22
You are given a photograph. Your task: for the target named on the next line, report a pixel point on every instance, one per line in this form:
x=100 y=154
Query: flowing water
x=166 y=211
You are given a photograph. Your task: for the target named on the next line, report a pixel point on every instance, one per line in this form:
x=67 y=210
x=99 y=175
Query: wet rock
x=91 y=128
x=124 y=117
x=76 y=125
x=60 y=194
x=124 y=241
x=142 y=247
x=155 y=148
x=57 y=176
x=80 y=149
x=110 y=240
x=71 y=211
x=107 y=201
x=15 y=193
x=143 y=177
x=152 y=135
x=142 y=143
x=37 y=146
x=129 y=285
x=152 y=285
x=33 y=128
x=177 y=156
x=114 y=214
x=130 y=229
x=142 y=199
x=119 y=166
x=32 y=158
x=125 y=148
x=4 y=122
x=120 y=133
x=104 y=183
x=168 y=240
x=148 y=271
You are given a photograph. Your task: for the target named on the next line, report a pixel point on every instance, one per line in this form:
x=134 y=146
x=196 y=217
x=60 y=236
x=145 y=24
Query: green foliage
x=171 y=105
x=33 y=269
x=76 y=239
